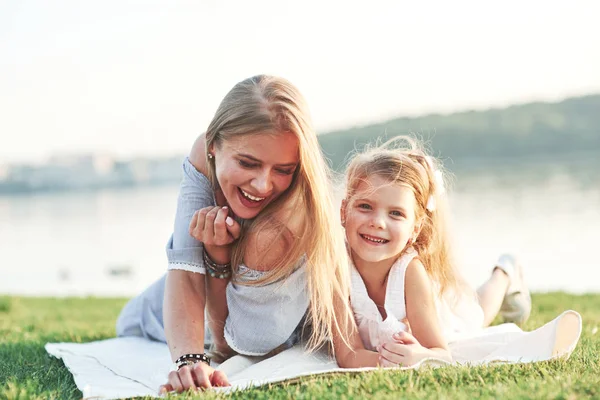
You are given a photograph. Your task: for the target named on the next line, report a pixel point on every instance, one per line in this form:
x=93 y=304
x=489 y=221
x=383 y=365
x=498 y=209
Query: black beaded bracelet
x=188 y=359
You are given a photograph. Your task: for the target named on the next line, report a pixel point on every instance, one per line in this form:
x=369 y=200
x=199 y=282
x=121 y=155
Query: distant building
x=88 y=171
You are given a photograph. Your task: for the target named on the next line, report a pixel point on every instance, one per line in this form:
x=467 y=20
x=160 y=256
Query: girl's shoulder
x=417 y=280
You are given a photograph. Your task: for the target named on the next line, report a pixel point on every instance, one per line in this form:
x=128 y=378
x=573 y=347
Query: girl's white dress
x=461 y=322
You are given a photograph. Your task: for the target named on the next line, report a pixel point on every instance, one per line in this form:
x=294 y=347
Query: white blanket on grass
x=132 y=366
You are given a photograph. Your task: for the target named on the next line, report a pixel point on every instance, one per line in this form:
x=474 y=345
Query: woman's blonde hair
x=403 y=160
x=267 y=104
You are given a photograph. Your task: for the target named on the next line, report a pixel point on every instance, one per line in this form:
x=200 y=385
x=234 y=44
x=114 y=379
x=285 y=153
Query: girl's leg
x=491 y=295
x=505 y=293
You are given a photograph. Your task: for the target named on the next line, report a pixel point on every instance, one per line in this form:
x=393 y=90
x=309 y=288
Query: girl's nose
x=378 y=221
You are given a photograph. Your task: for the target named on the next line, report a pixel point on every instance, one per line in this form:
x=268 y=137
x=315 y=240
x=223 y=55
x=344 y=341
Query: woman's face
x=253 y=170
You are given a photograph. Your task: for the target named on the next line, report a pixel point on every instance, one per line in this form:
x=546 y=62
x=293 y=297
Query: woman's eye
x=364 y=206
x=246 y=164
x=285 y=171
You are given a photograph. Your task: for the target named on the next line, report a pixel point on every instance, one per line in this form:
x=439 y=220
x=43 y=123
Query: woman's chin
x=244 y=212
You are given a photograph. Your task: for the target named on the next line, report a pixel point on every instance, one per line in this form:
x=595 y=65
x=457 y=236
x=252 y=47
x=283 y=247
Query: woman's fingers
x=219 y=378
x=220 y=228
x=175 y=382
x=186 y=378
x=209 y=226
x=213 y=226
x=166 y=388
x=233 y=227
x=194 y=222
x=197 y=224
x=201 y=373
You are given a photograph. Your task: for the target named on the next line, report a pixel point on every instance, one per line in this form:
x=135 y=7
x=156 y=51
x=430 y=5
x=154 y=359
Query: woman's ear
x=343 y=212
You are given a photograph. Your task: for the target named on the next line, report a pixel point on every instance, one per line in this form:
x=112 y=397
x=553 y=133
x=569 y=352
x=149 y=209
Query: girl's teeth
x=253 y=198
x=373 y=239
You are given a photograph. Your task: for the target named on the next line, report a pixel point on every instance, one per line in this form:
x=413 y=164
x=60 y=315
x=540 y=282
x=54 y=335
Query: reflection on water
x=112 y=242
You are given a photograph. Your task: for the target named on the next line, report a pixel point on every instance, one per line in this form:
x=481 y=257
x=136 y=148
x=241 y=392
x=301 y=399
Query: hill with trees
x=565 y=128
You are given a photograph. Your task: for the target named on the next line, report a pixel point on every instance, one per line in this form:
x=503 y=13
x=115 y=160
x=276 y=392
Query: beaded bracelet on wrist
x=190 y=359
x=220 y=271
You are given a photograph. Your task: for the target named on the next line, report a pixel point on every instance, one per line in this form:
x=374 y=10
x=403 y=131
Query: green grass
x=26 y=371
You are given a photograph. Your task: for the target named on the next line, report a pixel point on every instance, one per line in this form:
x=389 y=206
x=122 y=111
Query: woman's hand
x=405 y=350
x=214 y=227
x=194 y=377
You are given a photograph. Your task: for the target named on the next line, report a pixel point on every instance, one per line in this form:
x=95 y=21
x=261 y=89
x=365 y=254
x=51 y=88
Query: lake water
x=111 y=243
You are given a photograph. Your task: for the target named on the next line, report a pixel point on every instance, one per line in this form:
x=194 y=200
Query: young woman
x=254 y=206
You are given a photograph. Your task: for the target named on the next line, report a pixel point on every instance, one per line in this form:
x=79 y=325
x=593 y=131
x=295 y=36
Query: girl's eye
x=364 y=206
x=246 y=164
x=396 y=213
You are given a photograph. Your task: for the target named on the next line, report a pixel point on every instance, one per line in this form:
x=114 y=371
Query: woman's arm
x=184 y=312
x=426 y=339
x=185 y=291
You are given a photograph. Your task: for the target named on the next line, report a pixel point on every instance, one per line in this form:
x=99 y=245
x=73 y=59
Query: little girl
x=408 y=300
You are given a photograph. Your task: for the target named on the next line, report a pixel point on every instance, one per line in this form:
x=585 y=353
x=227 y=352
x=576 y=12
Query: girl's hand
x=405 y=350
x=194 y=377
x=214 y=227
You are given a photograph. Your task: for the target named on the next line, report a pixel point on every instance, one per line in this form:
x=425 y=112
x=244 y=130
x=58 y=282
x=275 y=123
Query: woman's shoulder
x=197 y=155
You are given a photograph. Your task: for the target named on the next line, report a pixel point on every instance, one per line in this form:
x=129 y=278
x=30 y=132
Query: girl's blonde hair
x=266 y=104
x=403 y=160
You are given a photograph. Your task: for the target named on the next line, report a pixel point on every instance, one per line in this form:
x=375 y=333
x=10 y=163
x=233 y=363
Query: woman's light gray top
x=261 y=318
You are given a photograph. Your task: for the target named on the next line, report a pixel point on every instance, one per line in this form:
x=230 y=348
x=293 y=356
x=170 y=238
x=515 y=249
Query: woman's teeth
x=374 y=239
x=250 y=197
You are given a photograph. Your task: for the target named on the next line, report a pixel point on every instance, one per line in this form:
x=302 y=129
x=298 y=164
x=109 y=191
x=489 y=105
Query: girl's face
x=253 y=170
x=379 y=220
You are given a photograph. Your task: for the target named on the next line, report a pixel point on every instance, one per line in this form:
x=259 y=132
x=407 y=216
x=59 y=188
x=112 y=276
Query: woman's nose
x=262 y=183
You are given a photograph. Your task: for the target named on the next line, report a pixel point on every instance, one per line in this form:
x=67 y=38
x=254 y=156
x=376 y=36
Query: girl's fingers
x=405 y=338
x=385 y=363
x=396 y=356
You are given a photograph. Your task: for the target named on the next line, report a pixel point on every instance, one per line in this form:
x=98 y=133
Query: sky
x=144 y=78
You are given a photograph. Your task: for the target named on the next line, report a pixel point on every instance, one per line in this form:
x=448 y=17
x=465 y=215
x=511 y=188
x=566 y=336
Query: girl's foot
x=516 y=305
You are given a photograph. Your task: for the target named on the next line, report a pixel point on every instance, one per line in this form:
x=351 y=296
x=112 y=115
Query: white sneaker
x=516 y=305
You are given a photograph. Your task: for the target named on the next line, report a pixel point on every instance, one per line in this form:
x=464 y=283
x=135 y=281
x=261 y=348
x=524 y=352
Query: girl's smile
x=379 y=220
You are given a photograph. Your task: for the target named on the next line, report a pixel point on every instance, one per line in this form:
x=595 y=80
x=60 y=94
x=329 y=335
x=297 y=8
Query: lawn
x=26 y=371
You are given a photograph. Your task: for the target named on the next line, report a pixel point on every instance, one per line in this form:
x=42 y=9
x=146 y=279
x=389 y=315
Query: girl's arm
x=352 y=354
x=426 y=339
